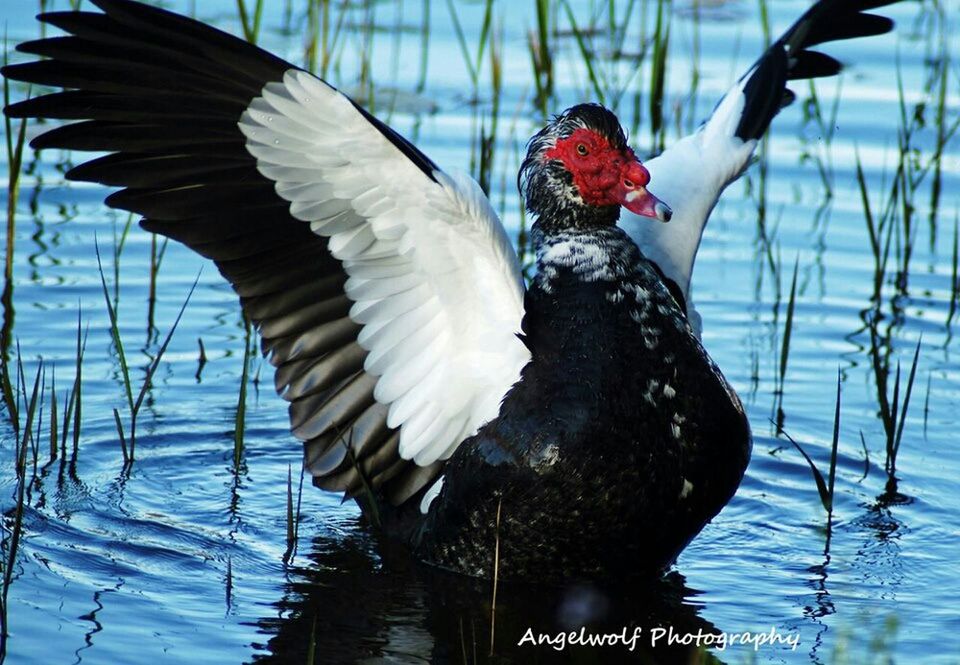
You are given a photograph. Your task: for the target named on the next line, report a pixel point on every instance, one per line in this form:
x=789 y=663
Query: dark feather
x=788 y=58
x=163 y=95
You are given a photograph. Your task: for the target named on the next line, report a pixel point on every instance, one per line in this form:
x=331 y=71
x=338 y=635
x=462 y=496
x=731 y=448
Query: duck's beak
x=632 y=194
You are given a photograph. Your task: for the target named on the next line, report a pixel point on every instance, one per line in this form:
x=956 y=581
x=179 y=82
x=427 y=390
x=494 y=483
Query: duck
x=575 y=427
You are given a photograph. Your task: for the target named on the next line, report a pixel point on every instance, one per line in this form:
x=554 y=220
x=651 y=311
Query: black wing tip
x=789 y=59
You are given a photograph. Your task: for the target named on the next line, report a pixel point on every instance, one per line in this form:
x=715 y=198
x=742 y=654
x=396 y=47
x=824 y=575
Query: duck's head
x=579 y=171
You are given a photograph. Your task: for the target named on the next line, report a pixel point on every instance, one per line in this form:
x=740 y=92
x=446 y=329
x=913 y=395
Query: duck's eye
x=582 y=150
x=628 y=183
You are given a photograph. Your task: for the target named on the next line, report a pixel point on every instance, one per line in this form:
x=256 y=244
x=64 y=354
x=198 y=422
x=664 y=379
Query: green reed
x=13 y=531
x=785 y=344
x=695 y=57
x=250 y=23
x=825 y=487
x=74 y=396
x=658 y=75
x=128 y=439
x=586 y=52
x=879 y=246
x=293 y=514
x=541 y=57
x=322 y=40
x=14 y=169
x=473 y=61
x=240 y=417
x=954 y=274
x=895 y=418
x=483 y=149
x=157 y=251
x=825 y=123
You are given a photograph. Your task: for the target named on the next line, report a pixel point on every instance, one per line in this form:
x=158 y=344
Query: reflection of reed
x=14 y=165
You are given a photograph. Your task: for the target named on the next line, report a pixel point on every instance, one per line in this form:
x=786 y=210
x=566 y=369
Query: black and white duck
x=577 y=424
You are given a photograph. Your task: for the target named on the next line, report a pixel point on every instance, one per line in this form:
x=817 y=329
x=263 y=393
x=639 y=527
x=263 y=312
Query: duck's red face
x=605 y=175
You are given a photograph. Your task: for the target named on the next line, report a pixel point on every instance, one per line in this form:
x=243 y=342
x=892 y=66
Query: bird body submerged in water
x=579 y=424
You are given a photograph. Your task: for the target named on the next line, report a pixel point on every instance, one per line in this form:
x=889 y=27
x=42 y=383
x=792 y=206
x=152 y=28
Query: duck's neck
x=596 y=254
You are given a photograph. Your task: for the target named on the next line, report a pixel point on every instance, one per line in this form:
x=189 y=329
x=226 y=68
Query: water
x=182 y=558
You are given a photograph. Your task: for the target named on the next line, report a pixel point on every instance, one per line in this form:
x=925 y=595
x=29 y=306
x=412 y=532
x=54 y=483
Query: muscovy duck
x=579 y=426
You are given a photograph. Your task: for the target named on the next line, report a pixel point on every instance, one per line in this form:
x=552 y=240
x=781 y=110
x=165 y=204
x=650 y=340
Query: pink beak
x=631 y=192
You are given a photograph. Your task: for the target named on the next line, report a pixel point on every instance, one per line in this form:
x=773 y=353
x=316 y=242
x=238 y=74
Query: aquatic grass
x=228 y=584
x=128 y=446
x=54 y=440
x=14 y=169
x=866 y=458
x=879 y=229
x=695 y=56
x=119 y=242
x=913 y=169
x=942 y=69
x=365 y=56
x=312 y=646
x=74 y=396
x=424 y=46
x=603 y=61
x=318 y=20
x=250 y=23
x=201 y=359
x=9 y=394
x=473 y=62
x=239 y=422
x=291 y=525
x=157 y=252
x=487 y=138
x=541 y=57
x=367 y=498
x=322 y=43
x=11 y=543
x=765 y=23
x=658 y=75
x=826 y=127
x=586 y=53
x=896 y=417
x=293 y=514
x=785 y=344
x=954 y=273
x=496 y=577
x=825 y=487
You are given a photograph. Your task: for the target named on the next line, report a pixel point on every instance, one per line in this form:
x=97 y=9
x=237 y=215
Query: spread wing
x=691 y=174
x=386 y=292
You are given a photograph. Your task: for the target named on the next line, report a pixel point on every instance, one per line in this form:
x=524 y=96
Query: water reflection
x=357 y=599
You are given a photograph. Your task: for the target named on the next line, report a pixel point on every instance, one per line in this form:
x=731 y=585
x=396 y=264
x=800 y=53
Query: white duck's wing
x=386 y=292
x=691 y=174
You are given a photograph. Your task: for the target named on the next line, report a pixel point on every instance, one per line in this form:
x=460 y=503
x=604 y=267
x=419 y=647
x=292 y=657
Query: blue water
x=181 y=557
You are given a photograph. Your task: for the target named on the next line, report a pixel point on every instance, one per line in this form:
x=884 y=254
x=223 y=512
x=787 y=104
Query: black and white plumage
x=390 y=300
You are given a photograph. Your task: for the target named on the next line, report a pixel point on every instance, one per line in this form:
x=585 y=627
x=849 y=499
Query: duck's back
x=619 y=442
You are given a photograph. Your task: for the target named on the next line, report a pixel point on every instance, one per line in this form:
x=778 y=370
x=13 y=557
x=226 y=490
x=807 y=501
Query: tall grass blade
x=788 y=327
x=906 y=404
x=585 y=52
x=250 y=25
x=54 y=418
x=240 y=419
x=14 y=168
x=115 y=330
x=834 y=446
x=822 y=489
x=12 y=544
x=658 y=75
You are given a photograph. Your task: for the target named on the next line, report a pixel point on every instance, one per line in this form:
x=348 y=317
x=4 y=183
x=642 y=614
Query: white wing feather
x=434 y=279
x=690 y=176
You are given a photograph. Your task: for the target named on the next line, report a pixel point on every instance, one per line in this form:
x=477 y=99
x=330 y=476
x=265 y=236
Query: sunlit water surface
x=182 y=558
